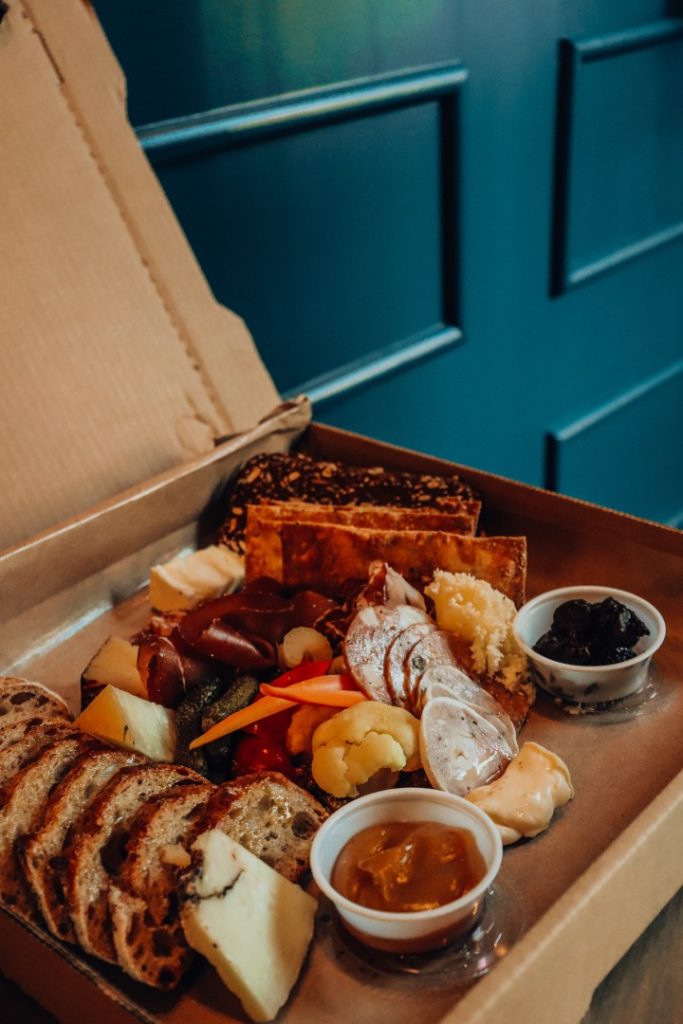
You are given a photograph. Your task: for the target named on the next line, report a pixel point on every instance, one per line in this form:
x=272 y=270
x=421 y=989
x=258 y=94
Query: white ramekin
x=407 y=932
x=587 y=684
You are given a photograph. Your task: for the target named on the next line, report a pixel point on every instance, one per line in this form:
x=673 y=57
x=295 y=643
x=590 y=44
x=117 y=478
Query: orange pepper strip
x=327 y=694
x=262 y=708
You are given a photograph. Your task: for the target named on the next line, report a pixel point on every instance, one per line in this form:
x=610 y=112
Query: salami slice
x=367 y=642
x=447 y=681
x=460 y=749
x=394 y=674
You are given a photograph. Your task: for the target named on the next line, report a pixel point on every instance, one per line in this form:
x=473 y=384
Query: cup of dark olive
x=589 y=644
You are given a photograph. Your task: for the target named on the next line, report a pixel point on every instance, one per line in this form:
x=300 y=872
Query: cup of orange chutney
x=407 y=869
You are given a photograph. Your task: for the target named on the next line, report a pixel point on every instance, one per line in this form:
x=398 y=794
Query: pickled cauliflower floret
x=482 y=615
x=360 y=741
x=305 y=721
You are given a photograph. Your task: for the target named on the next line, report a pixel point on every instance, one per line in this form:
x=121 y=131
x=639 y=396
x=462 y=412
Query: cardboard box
x=120 y=354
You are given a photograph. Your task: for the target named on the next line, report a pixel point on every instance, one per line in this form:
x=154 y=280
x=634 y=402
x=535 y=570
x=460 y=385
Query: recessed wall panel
x=329 y=220
x=627 y=454
x=620 y=149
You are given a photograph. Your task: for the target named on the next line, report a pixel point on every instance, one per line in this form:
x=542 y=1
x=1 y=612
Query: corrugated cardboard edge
x=216 y=339
x=83 y=545
x=563 y=958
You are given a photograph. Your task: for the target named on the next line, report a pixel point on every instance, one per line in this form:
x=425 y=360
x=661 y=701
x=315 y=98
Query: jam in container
x=408 y=865
x=407 y=869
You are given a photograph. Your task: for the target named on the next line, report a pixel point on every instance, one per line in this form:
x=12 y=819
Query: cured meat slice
x=394 y=662
x=388 y=587
x=367 y=642
x=460 y=749
x=437 y=648
x=448 y=681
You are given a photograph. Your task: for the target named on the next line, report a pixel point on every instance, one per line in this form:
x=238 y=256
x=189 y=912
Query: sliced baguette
x=22 y=806
x=96 y=848
x=22 y=696
x=148 y=938
x=41 y=855
x=30 y=736
x=270 y=816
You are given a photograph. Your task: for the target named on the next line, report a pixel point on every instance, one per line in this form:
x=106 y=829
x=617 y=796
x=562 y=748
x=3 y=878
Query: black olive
x=582 y=633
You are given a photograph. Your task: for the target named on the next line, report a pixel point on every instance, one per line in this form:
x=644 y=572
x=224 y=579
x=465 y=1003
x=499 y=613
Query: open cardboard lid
x=116 y=362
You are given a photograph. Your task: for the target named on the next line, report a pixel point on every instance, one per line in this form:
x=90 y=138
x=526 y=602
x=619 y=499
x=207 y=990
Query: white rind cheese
x=131 y=722
x=523 y=800
x=251 y=924
x=187 y=580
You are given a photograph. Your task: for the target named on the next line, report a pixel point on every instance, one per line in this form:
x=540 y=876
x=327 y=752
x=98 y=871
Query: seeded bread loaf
x=294 y=475
x=21 y=697
x=143 y=903
x=22 y=806
x=41 y=854
x=269 y=815
x=95 y=852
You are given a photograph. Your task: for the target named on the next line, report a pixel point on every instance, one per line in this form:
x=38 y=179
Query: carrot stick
x=332 y=695
x=262 y=708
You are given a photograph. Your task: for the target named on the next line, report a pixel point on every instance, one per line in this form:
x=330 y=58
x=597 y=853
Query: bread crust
x=100 y=837
x=23 y=696
x=270 y=816
x=41 y=854
x=148 y=938
x=22 y=807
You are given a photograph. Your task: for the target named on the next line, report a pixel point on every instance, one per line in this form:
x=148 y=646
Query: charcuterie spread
x=351 y=631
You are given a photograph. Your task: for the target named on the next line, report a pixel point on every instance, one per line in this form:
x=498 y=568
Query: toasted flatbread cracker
x=324 y=556
x=263 y=547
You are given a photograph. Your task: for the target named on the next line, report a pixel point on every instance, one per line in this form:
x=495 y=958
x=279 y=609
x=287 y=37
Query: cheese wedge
x=523 y=800
x=116 y=664
x=251 y=924
x=131 y=722
x=187 y=580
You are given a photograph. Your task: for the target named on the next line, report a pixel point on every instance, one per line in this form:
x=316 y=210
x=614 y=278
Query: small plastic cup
x=587 y=684
x=406 y=932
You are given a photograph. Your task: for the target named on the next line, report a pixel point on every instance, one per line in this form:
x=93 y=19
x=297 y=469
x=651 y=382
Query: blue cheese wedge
x=251 y=924
x=131 y=722
x=187 y=580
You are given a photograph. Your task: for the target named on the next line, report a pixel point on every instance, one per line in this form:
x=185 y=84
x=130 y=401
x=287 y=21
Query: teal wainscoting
x=458 y=225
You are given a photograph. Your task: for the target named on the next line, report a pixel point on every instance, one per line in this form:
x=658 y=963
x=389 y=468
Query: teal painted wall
x=457 y=224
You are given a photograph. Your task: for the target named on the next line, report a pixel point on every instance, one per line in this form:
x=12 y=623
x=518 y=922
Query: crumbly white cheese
x=523 y=800
x=252 y=924
x=116 y=664
x=187 y=580
x=482 y=615
x=131 y=722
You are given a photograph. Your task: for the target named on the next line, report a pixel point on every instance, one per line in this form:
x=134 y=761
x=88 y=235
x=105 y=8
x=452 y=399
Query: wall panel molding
x=575 y=56
x=626 y=452
x=266 y=120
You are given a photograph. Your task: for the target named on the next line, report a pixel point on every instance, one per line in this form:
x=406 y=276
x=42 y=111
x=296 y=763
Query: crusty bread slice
x=41 y=854
x=22 y=806
x=148 y=938
x=325 y=556
x=95 y=851
x=30 y=735
x=269 y=815
x=22 y=696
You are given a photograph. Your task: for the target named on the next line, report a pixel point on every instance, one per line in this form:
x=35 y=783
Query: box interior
x=619 y=768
